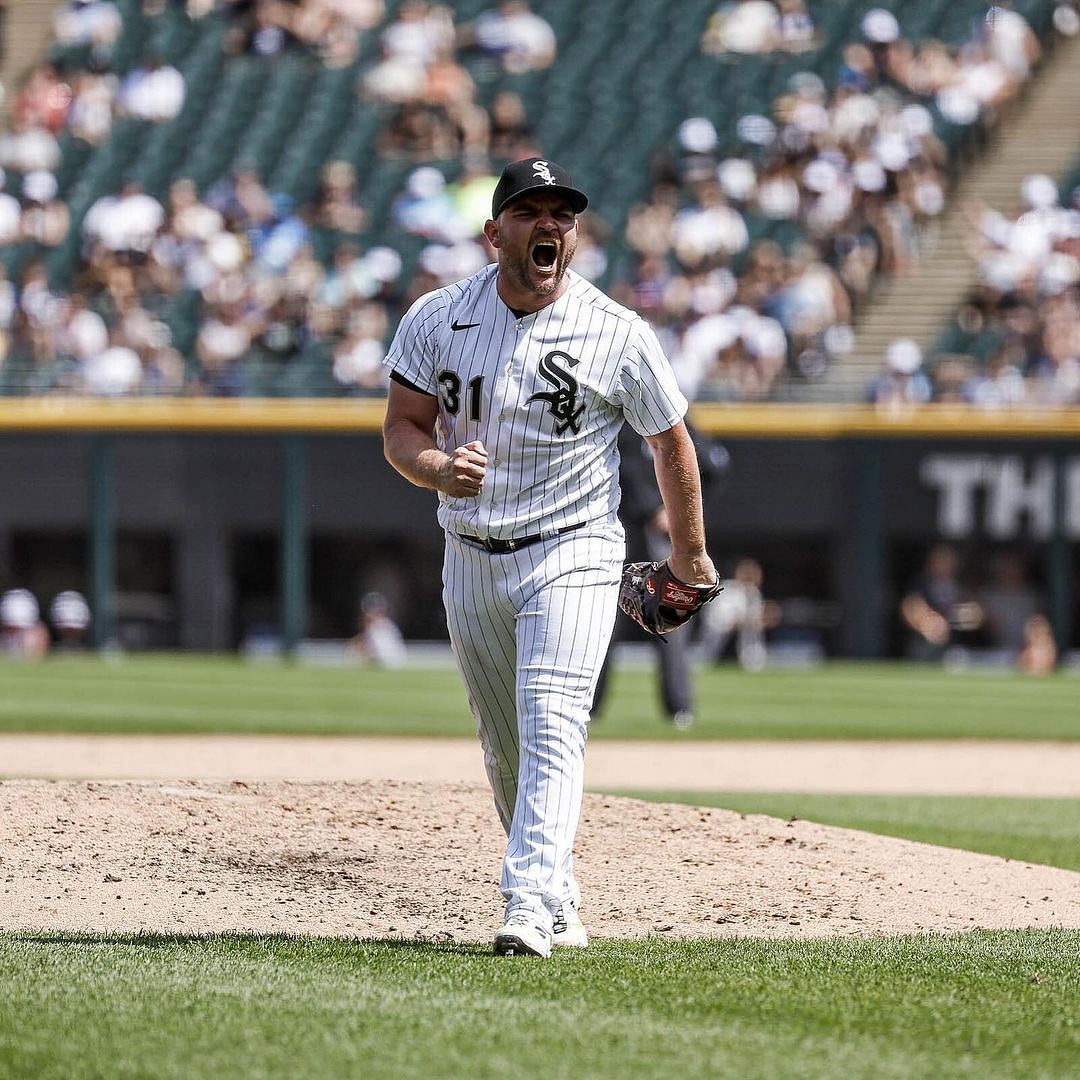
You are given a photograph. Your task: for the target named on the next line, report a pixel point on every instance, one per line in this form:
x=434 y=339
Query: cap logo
x=543 y=172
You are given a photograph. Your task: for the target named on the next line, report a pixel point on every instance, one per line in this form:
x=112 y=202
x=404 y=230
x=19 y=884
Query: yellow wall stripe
x=364 y=415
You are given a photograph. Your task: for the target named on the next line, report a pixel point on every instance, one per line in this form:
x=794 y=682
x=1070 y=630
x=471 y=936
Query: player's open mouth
x=544 y=255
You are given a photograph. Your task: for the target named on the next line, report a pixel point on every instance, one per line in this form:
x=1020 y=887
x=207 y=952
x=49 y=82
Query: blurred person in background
x=426 y=208
x=738 y=618
x=124 y=224
x=43 y=100
x=1038 y=655
x=999 y=383
x=513 y=34
x=643 y=514
x=902 y=382
x=340 y=208
x=378 y=640
x=25 y=147
x=745 y=26
x=1010 y=39
x=69 y=614
x=23 y=636
x=87 y=22
x=511 y=135
x=45 y=218
x=1008 y=601
x=153 y=91
x=937 y=611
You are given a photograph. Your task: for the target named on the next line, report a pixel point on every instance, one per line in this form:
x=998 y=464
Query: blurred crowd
x=237 y=289
x=25 y=635
x=994 y=615
x=751 y=258
x=1016 y=340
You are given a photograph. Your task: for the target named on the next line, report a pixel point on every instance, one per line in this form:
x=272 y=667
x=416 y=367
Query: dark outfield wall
x=839 y=525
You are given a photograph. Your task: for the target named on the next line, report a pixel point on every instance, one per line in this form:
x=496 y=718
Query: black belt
x=505 y=547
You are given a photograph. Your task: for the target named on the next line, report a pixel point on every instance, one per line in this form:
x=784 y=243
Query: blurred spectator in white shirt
x=128 y=221
x=1012 y=41
x=740 y=614
x=85 y=333
x=25 y=147
x=746 y=26
x=902 y=383
x=358 y=358
x=115 y=371
x=45 y=218
x=410 y=45
x=223 y=338
x=69 y=614
x=23 y=635
x=153 y=91
x=426 y=208
x=378 y=640
x=87 y=22
x=91 y=114
x=711 y=229
x=1000 y=383
x=190 y=219
x=517 y=36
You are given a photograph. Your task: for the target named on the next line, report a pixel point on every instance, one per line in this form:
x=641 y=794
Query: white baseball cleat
x=568 y=929
x=522 y=936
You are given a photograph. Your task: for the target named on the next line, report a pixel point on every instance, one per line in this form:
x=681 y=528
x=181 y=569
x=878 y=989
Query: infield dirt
x=386 y=858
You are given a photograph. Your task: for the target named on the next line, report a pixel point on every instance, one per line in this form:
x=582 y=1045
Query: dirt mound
x=391 y=858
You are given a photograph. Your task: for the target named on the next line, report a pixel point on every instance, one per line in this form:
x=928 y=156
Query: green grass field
x=981 y=1005
x=202 y=694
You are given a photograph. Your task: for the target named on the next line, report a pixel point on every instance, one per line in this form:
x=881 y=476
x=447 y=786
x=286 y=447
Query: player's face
x=536 y=236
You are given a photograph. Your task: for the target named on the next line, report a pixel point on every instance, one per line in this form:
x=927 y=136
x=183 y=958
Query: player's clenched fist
x=463 y=474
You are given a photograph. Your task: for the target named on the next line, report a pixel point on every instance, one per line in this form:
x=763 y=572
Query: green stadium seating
x=629 y=71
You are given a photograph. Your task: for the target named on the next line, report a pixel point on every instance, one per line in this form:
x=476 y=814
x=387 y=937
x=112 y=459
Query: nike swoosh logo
x=455 y=325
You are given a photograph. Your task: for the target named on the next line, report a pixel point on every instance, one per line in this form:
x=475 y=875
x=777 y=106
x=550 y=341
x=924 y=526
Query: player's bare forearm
x=409 y=445
x=680 y=487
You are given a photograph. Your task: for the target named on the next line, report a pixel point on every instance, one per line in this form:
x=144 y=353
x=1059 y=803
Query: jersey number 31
x=450 y=393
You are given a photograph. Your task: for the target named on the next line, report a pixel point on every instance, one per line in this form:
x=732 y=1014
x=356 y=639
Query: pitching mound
x=385 y=858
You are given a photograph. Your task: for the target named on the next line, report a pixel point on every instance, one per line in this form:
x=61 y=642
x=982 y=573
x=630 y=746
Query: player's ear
x=491 y=231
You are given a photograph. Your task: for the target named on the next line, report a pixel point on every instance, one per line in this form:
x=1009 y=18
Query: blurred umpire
x=645 y=520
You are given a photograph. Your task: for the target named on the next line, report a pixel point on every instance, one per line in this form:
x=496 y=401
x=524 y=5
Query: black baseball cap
x=535 y=174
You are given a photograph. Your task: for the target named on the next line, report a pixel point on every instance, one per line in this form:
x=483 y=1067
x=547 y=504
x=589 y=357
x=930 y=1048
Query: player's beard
x=524 y=273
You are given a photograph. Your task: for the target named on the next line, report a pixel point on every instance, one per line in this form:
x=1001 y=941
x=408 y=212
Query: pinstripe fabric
x=530 y=631
x=542 y=473
x=546 y=393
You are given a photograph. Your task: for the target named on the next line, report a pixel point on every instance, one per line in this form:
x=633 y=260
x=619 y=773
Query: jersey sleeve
x=650 y=397
x=411 y=358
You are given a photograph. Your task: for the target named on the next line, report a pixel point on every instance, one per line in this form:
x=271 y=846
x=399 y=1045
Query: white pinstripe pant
x=530 y=630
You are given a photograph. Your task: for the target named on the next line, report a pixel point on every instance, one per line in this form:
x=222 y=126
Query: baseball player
x=507 y=393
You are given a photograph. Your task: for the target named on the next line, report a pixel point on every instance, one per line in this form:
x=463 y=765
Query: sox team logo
x=562 y=401
x=543 y=172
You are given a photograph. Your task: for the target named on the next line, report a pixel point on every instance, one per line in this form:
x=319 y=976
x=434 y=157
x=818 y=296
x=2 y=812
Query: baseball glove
x=657 y=600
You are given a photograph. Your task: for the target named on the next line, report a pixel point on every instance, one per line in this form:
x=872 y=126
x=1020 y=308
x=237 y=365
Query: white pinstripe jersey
x=546 y=394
